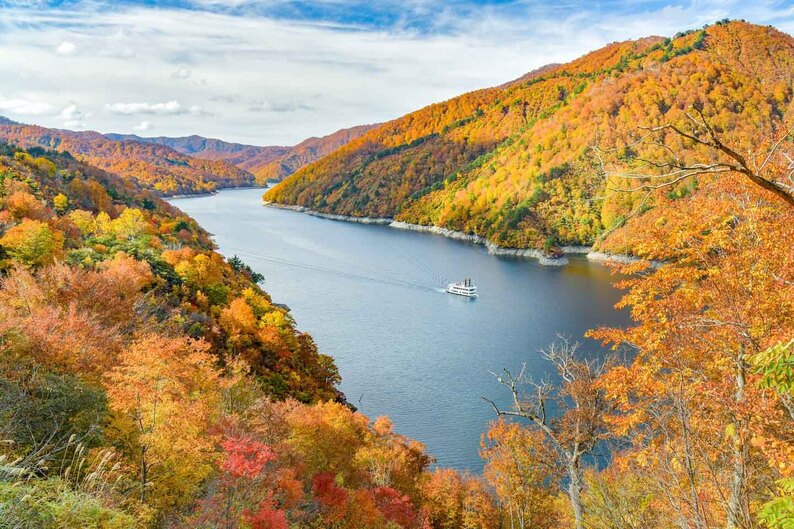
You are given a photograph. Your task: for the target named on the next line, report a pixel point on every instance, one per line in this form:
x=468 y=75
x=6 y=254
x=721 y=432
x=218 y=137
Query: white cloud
x=183 y=72
x=24 y=106
x=278 y=106
x=303 y=79
x=72 y=116
x=143 y=125
x=170 y=107
x=65 y=48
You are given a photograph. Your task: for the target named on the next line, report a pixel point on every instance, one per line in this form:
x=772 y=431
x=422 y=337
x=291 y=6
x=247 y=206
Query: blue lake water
x=372 y=297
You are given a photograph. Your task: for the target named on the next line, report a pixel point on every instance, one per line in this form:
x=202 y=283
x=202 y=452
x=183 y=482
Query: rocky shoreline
x=189 y=195
x=330 y=216
x=605 y=257
x=492 y=248
x=209 y=193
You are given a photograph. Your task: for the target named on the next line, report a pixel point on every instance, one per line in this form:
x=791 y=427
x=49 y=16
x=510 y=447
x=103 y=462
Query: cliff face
x=515 y=163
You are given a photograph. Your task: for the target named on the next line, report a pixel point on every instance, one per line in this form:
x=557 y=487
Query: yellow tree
x=580 y=421
x=32 y=243
x=453 y=501
x=61 y=202
x=165 y=393
x=517 y=468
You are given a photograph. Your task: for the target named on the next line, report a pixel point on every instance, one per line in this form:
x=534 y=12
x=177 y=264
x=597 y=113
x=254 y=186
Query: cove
x=372 y=297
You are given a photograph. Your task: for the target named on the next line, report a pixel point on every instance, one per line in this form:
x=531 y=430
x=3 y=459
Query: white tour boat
x=464 y=288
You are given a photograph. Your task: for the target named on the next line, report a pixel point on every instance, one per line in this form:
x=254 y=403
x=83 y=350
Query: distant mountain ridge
x=152 y=166
x=304 y=153
x=265 y=163
x=238 y=154
x=183 y=165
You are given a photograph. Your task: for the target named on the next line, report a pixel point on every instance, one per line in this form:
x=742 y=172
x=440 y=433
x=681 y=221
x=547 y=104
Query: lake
x=372 y=297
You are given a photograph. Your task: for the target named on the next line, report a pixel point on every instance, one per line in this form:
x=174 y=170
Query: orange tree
x=690 y=401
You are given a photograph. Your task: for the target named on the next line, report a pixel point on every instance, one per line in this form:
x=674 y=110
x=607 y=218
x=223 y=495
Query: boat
x=464 y=288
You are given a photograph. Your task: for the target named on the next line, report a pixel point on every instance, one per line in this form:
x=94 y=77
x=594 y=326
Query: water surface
x=372 y=298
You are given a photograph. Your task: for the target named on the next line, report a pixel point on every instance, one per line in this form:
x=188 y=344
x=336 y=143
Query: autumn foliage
x=148 y=165
x=147 y=381
x=517 y=164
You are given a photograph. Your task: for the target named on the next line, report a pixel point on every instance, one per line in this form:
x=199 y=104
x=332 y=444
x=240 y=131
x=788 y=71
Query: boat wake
x=424 y=267
x=404 y=283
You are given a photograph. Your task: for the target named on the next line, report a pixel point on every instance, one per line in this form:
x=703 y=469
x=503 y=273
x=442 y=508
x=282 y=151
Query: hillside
x=515 y=163
x=272 y=163
x=153 y=166
x=146 y=381
x=238 y=154
x=302 y=154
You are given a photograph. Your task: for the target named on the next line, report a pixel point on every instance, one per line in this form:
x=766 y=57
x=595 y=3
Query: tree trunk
x=574 y=493
x=682 y=407
x=144 y=474
x=738 y=503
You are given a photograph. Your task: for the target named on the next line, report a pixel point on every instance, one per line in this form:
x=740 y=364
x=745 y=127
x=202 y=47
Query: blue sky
x=422 y=16
x=277 y=71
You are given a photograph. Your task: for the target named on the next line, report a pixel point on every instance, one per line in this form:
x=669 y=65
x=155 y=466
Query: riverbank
x=605 y=257
x=209 y=193
x=331 y=216
x=493 y=249
x=189 y=195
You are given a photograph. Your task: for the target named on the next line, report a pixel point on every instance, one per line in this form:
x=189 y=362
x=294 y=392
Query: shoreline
x=209 y=193
x=384 y=221
x=189 y=195
x=493 y=249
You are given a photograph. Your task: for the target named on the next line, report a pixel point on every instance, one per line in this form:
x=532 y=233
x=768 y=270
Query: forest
x=526 y=162
x=266 y=164
x=158 y=168
x=147 y=381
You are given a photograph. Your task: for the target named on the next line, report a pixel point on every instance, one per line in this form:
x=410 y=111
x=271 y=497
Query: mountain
x=272 y=163
x=150 y=165
x=211 y=148
x=304 y=153
x=516 y=163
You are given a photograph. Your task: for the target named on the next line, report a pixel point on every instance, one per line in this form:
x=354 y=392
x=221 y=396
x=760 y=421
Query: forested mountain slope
x=517 y=163
x=302 y=154
x=152 y=166
x=266 y=163
x=238 y=154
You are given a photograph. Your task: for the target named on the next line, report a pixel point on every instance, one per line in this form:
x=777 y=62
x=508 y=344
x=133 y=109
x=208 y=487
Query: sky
x=274 y=72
